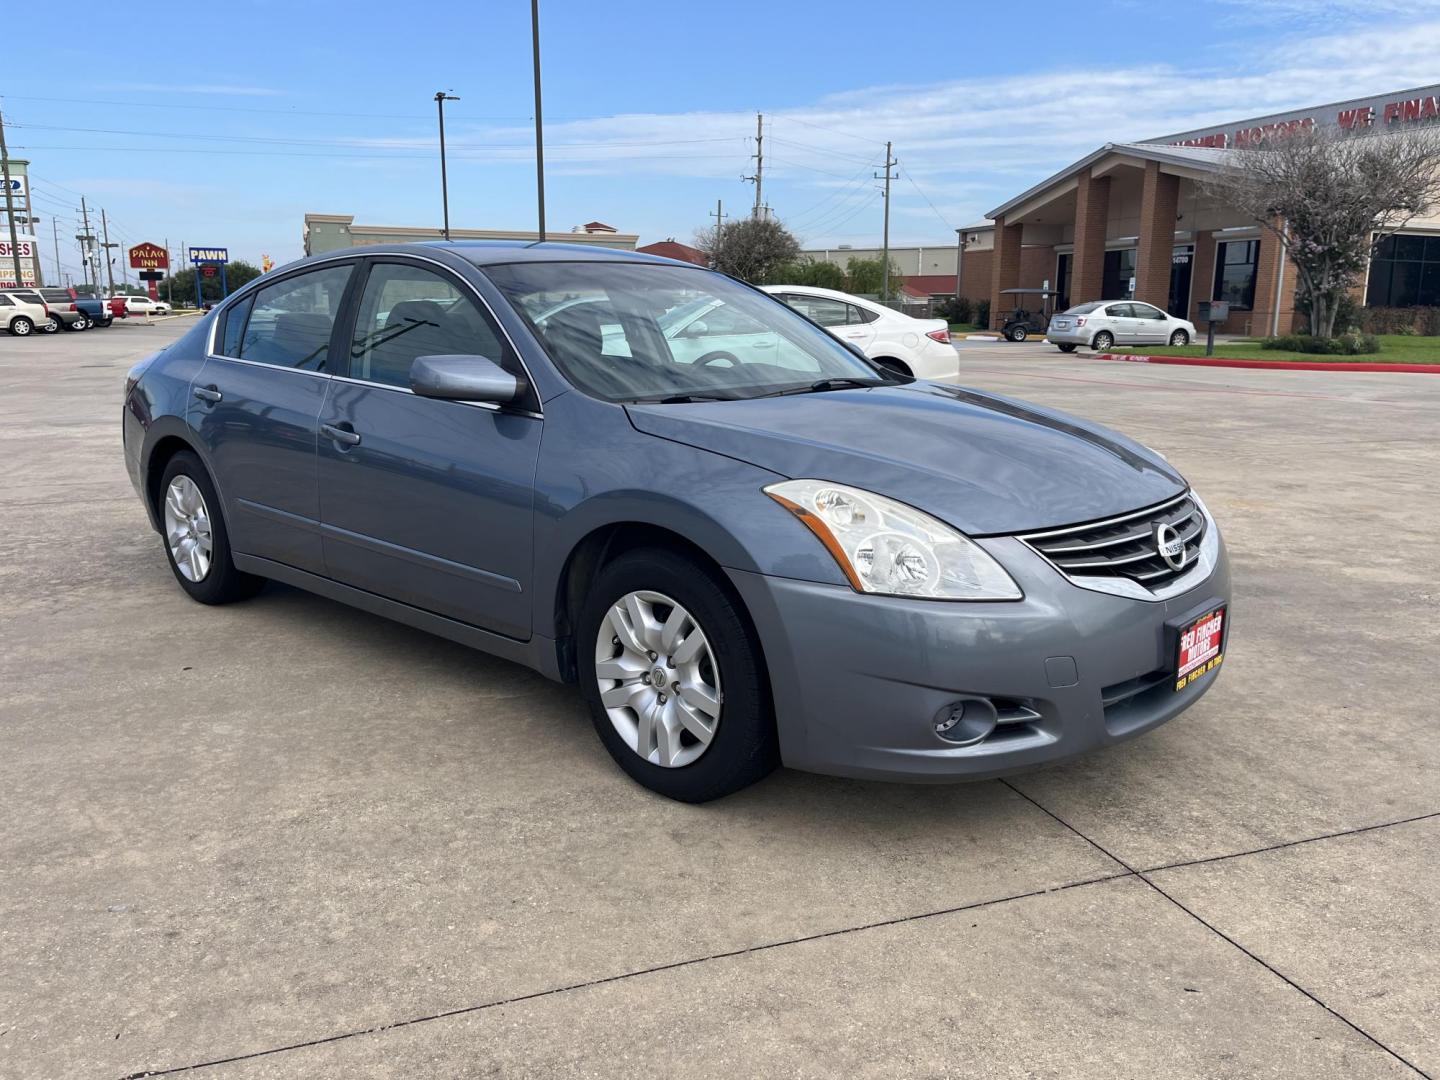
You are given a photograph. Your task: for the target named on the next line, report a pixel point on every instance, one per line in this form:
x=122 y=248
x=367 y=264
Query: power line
x=822 y=150
x=267 y=112
x=822 y=127
x=374 y=155
x=906 y=173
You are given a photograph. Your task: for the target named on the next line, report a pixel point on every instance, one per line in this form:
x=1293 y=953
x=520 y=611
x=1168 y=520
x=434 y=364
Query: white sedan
x=918 y=347
x=1103 y=324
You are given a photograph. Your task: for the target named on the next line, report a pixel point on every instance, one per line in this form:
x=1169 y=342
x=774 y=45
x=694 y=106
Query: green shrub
x=1400 y=320
x=1351 y=343
x=982 y=313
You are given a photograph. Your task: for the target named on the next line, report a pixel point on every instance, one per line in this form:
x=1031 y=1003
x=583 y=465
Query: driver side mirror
x=696 y=329
x=464 y=378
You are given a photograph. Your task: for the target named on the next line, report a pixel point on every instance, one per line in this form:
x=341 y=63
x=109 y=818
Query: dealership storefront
x=1133 y=221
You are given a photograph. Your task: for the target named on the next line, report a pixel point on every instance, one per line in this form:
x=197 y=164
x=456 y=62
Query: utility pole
x=890 y=163
x=55 y=236
x=759 y=178
x=719 y=217
x=10 y=206
x=107 y=245
x=87 y=247
x=959 y=255
x=440 y=98
x=169 y=275
x=539 y=125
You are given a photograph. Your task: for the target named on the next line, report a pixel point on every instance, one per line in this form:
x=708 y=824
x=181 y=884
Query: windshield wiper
x=680 y=399
x=846 y=382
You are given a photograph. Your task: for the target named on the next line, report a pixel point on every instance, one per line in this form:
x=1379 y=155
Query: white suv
x=918 y=347
x=143 y=305
x=22 y=316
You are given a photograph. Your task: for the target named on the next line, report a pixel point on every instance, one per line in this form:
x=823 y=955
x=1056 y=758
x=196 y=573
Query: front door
x=1181 y=263
x=425 y=501
x=256 y=407
x=1150 y=323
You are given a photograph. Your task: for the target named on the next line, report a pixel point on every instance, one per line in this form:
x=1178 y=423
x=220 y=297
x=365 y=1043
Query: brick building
x=1132 y=220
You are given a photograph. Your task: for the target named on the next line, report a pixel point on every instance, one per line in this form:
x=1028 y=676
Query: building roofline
x=1257 y=121
x=1204 y=159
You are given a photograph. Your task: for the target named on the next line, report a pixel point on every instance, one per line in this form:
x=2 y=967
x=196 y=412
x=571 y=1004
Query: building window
x=1118 y=282
x=1235 y=263
x=1405 y=273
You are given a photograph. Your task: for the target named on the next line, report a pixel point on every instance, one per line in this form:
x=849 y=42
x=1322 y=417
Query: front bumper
x=858 y=681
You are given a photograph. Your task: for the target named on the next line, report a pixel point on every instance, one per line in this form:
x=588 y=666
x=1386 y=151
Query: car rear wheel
x=196 y=541
x=82 y=323
x=21 y=326
x=1065 y=348
x=1017 y=333
x=890 y=364
x=52 y=324
x=1179 y=337
x=674 y=678
x=1102 y=341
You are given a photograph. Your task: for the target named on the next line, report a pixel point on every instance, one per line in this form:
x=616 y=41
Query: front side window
x=291 y=321
x=407 y=312
x=618 y=331
x=1235 y=264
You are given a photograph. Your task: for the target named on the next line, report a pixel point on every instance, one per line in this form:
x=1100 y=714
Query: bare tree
x=751 y=249
x=1330 y=198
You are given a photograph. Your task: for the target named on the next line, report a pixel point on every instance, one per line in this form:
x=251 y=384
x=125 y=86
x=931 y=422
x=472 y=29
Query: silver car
x=1103 y=324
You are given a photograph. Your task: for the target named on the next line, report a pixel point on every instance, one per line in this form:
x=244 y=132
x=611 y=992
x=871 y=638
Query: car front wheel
x=1102 y=341
x=1179 y=337
x=196 y=541
x=674 y=677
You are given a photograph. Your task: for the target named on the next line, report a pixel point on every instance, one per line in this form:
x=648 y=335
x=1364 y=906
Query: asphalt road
x=285 y=838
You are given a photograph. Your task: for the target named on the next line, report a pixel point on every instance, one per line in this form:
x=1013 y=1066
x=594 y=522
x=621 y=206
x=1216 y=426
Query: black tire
x=21 y=326
x=891 y=364
x=82 y=323
x=223 y=584
x=1102 y=341
x=1017 y=333
x=1065 y=348
x=1179 y=337
x=744 y=747
x=52 y=324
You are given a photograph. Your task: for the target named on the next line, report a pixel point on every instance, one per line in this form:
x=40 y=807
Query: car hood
x=985 y=464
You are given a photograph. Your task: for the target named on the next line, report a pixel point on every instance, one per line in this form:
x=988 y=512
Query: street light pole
x=959 y=254
x=440 y=98
x=539 y=137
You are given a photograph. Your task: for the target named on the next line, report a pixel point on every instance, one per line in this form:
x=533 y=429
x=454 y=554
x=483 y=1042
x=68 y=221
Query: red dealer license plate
x=1200 y=647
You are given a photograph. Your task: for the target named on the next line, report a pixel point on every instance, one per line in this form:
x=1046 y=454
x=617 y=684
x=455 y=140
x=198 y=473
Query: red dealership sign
x=149 y=256
x=209 y=271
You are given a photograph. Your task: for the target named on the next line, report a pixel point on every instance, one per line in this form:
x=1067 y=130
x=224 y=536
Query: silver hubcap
x=658 y=679
x=187 y=528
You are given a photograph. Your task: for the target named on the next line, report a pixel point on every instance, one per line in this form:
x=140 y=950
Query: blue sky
x=226 y=126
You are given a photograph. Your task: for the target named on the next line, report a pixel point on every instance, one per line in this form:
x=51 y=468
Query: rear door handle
x=208 y=393
x=341 y=433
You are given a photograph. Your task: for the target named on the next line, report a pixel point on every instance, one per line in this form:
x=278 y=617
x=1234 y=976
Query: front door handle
x=342 y=433
x=208 y=393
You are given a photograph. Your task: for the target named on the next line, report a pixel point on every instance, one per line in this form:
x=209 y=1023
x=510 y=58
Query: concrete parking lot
x=286 y=838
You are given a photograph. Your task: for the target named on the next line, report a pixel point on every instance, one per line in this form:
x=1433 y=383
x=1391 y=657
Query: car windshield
x=649 y=332
x=1083 y=309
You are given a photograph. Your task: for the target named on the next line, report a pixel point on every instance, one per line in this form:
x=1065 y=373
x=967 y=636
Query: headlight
x=887 y=547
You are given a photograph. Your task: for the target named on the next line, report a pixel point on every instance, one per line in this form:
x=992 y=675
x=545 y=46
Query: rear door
x=848 y=322
x=425 y=501
x=257 y=410
x=1121 y=323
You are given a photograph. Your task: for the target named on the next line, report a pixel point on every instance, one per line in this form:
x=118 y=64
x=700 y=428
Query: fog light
x=965 y=722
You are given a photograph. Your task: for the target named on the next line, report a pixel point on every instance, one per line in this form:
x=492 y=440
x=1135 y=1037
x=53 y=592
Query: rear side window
x=5 y=301
x=821 y=309
x=234 y=327
x=291 y=321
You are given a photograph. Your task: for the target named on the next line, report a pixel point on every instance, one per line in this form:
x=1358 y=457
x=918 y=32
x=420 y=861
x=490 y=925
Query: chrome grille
x=1125 y=546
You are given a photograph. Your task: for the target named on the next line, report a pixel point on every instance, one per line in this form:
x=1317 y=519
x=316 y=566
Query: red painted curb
x=1280 y=365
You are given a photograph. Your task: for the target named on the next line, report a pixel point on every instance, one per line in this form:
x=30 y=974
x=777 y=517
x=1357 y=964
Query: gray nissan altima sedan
x=747 y=544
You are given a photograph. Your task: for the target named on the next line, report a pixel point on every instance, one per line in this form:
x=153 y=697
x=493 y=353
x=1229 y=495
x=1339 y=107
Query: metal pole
x=759 y=162
x=169 y=276
x=224 y=283
x=890 y=163
x=92 y=273
x=539 y=124
x=715 y=246
x=959 y=255
x=1279 y=283
x=55 y=235
x=10 y=205
x=440 y=97
x=109 y=262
